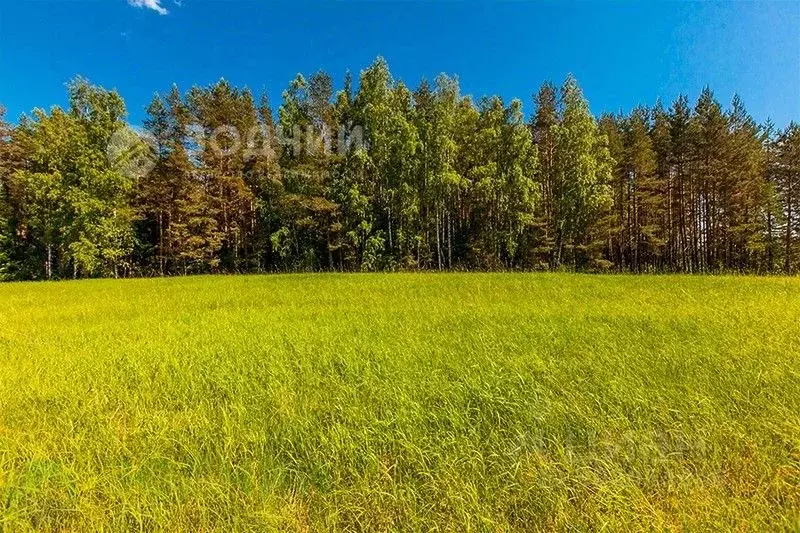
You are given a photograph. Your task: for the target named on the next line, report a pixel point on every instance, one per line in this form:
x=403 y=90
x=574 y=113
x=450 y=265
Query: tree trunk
x=789 y=202
x=48 y=262
x=438 y=240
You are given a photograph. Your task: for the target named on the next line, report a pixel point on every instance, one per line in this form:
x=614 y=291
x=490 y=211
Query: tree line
x=422 y=178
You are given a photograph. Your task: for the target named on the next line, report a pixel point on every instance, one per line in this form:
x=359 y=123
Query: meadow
x=412 y=402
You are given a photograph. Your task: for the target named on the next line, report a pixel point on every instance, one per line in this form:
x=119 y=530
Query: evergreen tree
x=772 y=209
x=175 y=197
x=748 y=194
x=228 y=118
x=306 y=240
x=680 y=116
x=666 y=178
x=645 y=216
x=709 y=132
x=787 y=177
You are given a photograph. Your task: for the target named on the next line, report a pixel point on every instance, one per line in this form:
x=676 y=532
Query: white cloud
x=155 y=5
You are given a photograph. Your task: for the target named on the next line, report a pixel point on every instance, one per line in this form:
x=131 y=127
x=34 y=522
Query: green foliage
x=76 y=205
x=386 y=177
x=786 y=173
x=637 y=229
x=6 y=238
x=7 y=226
x=374 y=248
x=505 y=191
x=581 y=176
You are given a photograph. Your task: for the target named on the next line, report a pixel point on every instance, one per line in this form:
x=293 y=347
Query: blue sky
x=623 y=54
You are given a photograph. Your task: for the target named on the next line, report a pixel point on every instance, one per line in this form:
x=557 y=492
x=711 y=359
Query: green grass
x=482 y=402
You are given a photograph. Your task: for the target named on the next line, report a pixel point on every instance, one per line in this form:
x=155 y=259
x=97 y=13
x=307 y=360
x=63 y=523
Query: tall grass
x=477 y=402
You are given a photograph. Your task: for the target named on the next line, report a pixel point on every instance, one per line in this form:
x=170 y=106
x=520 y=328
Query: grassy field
x=482 y=402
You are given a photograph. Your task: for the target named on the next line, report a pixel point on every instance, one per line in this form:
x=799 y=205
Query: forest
x=419 y=178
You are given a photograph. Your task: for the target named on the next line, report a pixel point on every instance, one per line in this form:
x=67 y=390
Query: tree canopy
x=383 y=176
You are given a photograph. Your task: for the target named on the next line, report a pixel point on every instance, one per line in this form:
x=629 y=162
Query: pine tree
x=680 y=116
x=709 y=130
x=229 y=119
x=666 y=178
x=787 y=177
x=154 y=199
x=263 y=176
x=772 y=212
x=350 y=188
x=748 y=193
x=306 y=238
x=175 y=196
x=646 y=194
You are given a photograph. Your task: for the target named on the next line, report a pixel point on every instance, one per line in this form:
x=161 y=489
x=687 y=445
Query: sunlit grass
x=410 y=402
